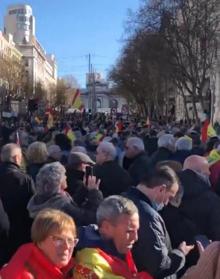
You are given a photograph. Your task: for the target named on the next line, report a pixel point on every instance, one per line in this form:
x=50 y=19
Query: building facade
x=40 y=67
x=98 y=96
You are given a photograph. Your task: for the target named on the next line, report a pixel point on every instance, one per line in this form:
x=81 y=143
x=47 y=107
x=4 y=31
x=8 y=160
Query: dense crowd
x=106 y=197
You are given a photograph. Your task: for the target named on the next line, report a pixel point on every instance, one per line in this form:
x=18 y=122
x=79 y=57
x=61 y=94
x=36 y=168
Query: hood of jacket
x=40 y=202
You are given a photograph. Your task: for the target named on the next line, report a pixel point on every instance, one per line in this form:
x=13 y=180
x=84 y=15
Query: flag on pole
x=17 y=138
x=148 y=122
x=77 y=102
x=49 y=118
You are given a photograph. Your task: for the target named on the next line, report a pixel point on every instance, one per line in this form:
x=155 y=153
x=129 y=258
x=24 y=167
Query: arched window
x=98 y=103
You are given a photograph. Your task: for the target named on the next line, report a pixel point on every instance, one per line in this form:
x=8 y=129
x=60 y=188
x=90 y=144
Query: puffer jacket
x=29 y=262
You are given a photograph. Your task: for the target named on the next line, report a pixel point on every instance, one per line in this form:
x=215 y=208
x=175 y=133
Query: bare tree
x=190 y=30
x=12 y=73
x=142 y=73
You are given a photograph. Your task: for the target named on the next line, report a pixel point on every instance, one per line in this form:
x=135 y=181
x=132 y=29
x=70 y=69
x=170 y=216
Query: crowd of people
x=104 y=197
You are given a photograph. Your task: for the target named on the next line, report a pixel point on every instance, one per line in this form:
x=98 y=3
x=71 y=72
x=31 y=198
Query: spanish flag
x=77 y=102
x=70 y=134
x=207 y=131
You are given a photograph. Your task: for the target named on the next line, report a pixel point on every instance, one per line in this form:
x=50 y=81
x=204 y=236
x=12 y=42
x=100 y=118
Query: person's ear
x=162 y=188
x=106 y=229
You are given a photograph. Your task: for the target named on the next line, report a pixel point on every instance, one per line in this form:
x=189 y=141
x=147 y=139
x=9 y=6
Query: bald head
x=197 y=163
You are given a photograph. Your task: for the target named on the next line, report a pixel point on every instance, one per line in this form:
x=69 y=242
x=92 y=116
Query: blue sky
x=71 y=29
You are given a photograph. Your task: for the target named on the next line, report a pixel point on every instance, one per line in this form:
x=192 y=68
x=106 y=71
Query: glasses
x=59 y=241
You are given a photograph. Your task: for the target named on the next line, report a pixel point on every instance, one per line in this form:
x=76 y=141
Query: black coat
x=139 y=167
x=200 y=204
x=180 y=229
x=162 y=154
x=76 y=187
x=180 y=155
x=16 y=190
x=153 y=252
x=114 y=179
x=33 y=169
x=4 y=230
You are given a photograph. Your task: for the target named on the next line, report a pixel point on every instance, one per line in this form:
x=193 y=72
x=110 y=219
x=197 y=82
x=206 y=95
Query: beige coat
x=208 y=266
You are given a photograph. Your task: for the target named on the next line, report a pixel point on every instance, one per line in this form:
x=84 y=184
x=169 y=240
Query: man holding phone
x=80 y=178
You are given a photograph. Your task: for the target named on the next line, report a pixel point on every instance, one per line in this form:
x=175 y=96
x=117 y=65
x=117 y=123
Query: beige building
x=8 y=50
x=40 y=66
x=8 y=47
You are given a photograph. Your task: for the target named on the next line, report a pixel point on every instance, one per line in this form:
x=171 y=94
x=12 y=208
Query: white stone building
x=99 y=90
x=40 y=67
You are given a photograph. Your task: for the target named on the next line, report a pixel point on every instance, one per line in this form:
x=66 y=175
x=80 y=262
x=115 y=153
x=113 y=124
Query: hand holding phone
x=90 y=180
x=202 y=242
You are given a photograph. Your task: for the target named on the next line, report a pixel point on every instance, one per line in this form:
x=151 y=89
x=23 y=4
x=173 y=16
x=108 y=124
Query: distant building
x=40 y=67
x=99 y=96
x=8 y=47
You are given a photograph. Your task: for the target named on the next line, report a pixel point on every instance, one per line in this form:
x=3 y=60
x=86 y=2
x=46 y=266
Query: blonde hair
x=49 y=221
x=37 y=152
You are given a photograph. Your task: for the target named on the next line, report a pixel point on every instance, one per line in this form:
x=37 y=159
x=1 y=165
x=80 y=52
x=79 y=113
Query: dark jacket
x=82 y=215
x=180 y=155
x=139 y=167
x=153 y=252
x=33 y=169
x=114 y=179
x=4 y=231
x=16 y=190
x=150 y=143
x=200 y=204
x=162 y=154
x=76 y=187
x=181 y=228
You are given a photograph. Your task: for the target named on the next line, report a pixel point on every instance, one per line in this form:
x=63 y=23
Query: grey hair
x=108 y=148
x=183 y=143
x=113 y=207
x=37 y=152
x=136 y=142
x=54 y=151
x=166 y=140
x=49 y=178
x=9 y=151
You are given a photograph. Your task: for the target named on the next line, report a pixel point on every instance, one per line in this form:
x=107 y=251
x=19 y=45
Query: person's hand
x=93 y=183
x=200 y=247
x=185 y=249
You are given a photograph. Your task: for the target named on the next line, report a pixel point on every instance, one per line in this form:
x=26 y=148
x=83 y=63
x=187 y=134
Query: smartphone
x=203 y=239
x=89 y=172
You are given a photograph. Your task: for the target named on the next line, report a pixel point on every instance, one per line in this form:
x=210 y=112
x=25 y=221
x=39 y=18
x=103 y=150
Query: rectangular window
x=22 y=18
x=12 y=12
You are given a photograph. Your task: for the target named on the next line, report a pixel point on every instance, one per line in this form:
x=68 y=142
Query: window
x=21 y=11
x=12 y=12
x=98 y=103
x=19 y=25
x=22 y=18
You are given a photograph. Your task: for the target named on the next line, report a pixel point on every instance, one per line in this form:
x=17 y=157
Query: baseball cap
x=78 y=158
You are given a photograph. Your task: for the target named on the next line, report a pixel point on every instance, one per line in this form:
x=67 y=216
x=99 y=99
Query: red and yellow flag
x=77 y=102
x=207 y=131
